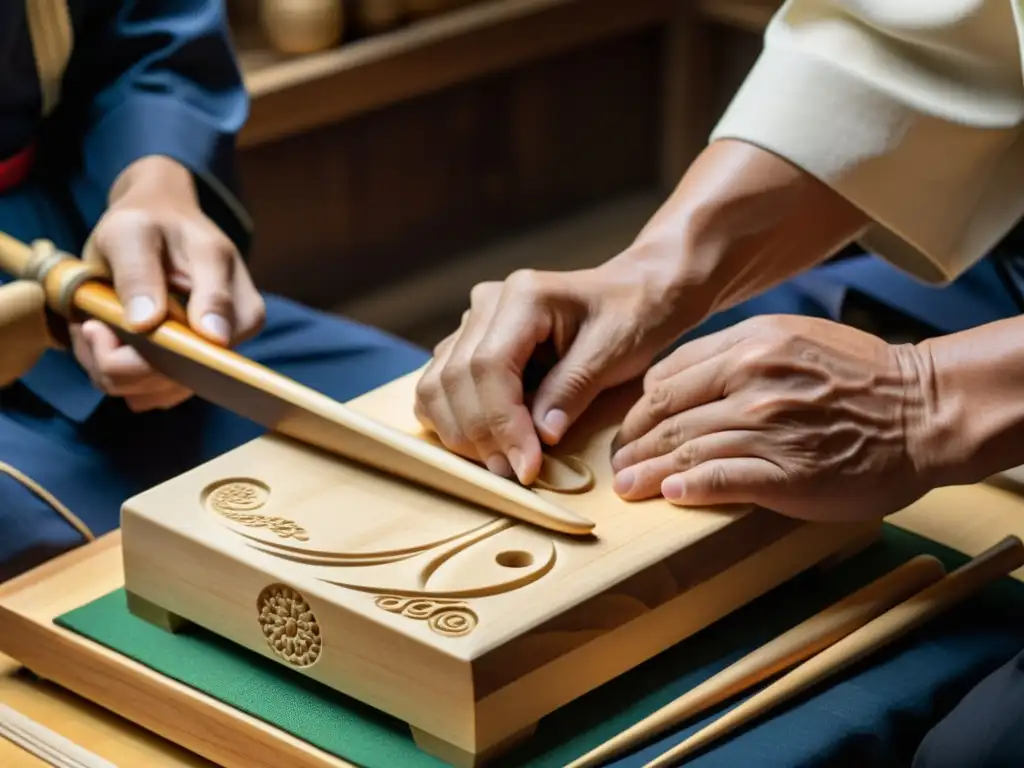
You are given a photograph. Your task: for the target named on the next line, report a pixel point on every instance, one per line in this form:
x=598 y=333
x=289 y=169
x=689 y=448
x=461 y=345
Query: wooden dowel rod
x=786 y=651
x=992 y=564
x=49 y=746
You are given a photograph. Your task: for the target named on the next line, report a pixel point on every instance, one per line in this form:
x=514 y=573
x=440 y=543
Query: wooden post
x=686 y=91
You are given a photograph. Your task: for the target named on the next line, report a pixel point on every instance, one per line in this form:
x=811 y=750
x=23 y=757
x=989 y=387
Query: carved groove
x=288 y=624
x=280 y=526
x=451 y=618
x=565 y=474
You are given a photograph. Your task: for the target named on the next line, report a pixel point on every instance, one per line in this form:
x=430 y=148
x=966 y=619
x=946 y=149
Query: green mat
x=361 y=735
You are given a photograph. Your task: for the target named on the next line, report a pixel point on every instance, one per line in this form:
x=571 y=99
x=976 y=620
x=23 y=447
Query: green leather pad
x=337 y=724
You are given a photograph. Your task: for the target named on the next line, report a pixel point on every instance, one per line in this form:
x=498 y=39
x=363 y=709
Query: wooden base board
x=940 y=516
x=28 y=606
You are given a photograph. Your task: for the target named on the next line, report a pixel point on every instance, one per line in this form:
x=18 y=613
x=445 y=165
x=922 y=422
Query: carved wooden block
x=469 y=626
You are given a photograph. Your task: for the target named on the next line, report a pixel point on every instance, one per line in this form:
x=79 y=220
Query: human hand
x=152 y=238
x=604 y=325
x=806 y=417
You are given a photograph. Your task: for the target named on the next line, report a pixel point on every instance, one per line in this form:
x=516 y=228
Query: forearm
x=741 y=221
x=970 y=423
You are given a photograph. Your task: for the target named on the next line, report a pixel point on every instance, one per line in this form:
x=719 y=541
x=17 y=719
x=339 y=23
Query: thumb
x=572 y=384
x=133 y=247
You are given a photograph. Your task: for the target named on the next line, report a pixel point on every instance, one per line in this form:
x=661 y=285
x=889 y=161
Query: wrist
x=742 y=220
x=970 y=420
x=153 y=175
x=672 y=284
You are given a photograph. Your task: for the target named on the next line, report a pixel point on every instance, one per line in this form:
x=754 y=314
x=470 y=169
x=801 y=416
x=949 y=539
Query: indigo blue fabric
x=145 y=77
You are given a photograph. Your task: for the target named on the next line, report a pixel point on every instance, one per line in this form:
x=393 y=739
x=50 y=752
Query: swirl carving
x=238 y=500
x=289 y=625
x=238 y=496
x=565 y=474
x=451 y=618
x=280 y=526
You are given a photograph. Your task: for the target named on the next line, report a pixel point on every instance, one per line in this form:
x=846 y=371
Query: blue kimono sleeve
x=157 y=77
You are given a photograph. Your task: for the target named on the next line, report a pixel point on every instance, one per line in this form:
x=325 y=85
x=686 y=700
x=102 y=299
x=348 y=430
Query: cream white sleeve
x=911 y=110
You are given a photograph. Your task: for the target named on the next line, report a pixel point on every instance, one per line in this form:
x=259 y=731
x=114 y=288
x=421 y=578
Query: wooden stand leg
x=461 y=758
x=155 y=615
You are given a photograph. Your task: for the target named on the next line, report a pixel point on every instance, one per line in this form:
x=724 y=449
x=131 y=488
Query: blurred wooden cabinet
x=459 y=123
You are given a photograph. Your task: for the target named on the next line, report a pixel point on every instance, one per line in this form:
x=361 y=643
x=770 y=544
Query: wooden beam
x=747 y=15
x=687 y=75
x=294 y=95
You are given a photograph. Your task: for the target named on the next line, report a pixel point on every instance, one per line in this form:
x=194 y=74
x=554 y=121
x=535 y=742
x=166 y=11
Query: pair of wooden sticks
x=823 y=645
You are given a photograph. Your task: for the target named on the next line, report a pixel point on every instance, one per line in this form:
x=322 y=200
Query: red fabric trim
x=15 y=169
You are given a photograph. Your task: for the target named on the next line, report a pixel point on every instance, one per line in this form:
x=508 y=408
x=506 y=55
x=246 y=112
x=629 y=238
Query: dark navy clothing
x=145 y=77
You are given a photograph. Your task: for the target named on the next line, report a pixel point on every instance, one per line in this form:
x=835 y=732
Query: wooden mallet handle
x=992 y=564
x=787 y=650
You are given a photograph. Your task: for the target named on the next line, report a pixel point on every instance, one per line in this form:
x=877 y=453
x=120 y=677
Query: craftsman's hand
x=603 y=325
x=806 y=417
x=152 y=238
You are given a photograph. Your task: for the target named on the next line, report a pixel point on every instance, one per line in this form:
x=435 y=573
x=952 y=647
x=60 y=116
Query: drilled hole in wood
x=514 y=558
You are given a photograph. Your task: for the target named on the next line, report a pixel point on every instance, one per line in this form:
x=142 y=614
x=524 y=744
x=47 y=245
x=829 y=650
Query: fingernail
x=216 y=326
x=617 y=462
x=673 y=488
x=498 y=465
x=556 y=422
x=518 y=462
x=624 y=482
x=140 y=309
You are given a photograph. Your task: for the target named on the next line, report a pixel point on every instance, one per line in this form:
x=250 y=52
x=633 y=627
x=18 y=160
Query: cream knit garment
x=910 y=109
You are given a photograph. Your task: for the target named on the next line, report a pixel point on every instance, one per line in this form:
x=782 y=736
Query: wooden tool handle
x=787 y=650
x=14 y=256
x=24 y=329
x=994 y=563
x=279 y=403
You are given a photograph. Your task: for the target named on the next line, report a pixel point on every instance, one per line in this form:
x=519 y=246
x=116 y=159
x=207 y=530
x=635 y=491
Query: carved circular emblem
x=289 y=625
x=238 y=496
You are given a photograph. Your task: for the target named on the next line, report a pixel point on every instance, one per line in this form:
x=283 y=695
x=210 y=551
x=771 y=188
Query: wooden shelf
x=427 y=306
x=747 y=15
x=292 y=95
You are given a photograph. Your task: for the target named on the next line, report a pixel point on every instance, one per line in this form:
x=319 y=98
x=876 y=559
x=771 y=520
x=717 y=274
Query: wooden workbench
x=968 y=519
